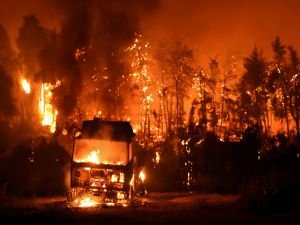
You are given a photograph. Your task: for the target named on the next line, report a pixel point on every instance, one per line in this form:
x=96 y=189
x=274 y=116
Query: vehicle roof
x=107 y=130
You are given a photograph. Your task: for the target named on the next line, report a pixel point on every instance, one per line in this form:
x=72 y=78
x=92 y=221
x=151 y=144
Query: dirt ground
x=157 y=208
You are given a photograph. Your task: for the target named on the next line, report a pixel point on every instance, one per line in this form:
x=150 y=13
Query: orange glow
x=131 y=183
x=93 y=157
x=89 y=150
x=26 y=86
x=114 y=178
x=111 y=204
x=157 y=157
x=120 y=195
x=122 y=178
x=87 y=202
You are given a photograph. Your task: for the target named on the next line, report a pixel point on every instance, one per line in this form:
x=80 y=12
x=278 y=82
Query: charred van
x=102 y=163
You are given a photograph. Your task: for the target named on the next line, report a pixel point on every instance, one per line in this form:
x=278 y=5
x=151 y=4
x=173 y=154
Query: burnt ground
x=158 y=208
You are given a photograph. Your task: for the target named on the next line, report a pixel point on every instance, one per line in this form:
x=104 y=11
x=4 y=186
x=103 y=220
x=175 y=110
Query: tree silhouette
x=278 y=82
x=294 y=86
x=180 y=61
x=161 y=57
x=213 y=110
x=7 y=55
x=7 y=101
x=204 y=83
x=253 y=98
x=228 y=101
x=31 y=39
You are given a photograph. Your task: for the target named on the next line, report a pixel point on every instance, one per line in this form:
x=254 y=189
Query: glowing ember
x=131 y=183
x=122 y=178
x=157 y=157
x=120 y=195
x=144 y=79
x=26 y=86
x=64 y=132
x=114 y=178
x=110 y=204
x=142 y=176
x=87 y=202
x=47 y=111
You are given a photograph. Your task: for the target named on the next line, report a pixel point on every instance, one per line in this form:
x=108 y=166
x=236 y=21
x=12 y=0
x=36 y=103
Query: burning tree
x=277 y=83
x=47 y=111
x=181 y=59
x=164 y=113
x=10 y=100
x=142 y=81
x=203 y=84
x=214 y=109
x=284 y=84
x=228 y=99
x=180 y=62
x=34 y=78
x=294 y=88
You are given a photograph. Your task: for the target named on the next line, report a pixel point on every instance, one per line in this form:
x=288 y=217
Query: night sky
x=212 y=28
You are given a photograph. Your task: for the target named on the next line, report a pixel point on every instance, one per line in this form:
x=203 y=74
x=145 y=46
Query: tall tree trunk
x=166 y=113
x=297 y=127
x=287 y=120
x=177 y=106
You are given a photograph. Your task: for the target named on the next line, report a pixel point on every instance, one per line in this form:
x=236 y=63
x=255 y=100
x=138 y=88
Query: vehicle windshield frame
x=108 y=152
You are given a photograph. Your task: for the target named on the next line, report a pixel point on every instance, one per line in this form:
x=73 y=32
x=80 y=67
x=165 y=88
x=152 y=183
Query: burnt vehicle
x=102 y=164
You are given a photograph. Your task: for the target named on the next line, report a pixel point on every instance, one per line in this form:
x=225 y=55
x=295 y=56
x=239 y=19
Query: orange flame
x=142 y=175
x=93 y=157
x=26 y=86
x=87 y=202
x=157 y=157
x=47 y=111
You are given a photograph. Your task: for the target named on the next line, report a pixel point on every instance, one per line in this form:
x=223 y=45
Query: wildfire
x=47 y=112
x=26 y=86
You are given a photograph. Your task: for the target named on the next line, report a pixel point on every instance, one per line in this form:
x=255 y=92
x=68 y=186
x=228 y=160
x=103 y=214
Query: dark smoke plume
x=74 y=34
x=7 y=66
x=7 y=101
x=104 y=29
